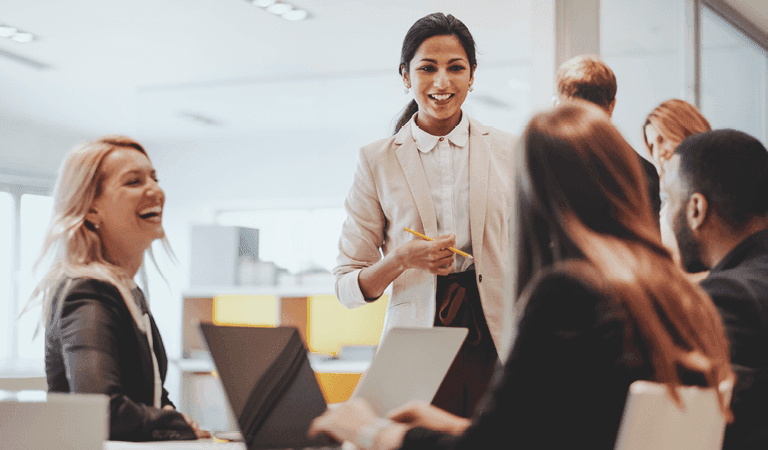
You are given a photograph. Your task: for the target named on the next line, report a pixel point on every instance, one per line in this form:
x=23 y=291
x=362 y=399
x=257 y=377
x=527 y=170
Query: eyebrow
x=137 y=172
x=434 y=61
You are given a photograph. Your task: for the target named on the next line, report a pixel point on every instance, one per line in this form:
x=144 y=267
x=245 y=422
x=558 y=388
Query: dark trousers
x=458 y=305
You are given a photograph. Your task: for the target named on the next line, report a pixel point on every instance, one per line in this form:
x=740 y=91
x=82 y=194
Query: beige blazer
x=390 y=192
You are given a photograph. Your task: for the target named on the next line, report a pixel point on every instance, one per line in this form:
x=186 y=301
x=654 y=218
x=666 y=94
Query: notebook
x=410 y=364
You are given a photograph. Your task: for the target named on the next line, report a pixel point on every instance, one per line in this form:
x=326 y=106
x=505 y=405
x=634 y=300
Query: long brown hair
x=582 y=195
x=675 y=120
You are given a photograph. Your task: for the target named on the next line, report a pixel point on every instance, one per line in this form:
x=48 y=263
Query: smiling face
x=440 y=75
x=129 y=209
x=661 y=147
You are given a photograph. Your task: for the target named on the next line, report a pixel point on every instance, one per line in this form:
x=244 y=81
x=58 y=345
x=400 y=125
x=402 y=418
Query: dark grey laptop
x=270 y=385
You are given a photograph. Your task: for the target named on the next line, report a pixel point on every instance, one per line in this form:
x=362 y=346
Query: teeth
x=157 y=209
x=441 y=97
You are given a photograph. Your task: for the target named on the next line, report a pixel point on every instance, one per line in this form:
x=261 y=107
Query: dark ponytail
x=436 y=24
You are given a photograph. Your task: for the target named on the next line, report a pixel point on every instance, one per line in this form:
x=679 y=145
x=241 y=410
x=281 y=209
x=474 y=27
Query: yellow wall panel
x=245 y=310
x=337 y=387
x=330 y=325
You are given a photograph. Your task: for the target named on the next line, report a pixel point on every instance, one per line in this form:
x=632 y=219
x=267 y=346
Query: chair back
x=652 y=420
x=23 y=383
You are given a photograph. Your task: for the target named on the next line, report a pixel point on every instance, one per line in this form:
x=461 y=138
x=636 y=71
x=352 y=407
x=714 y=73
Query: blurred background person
x=100 y=336
x=603 y=306
x=668 y=124
x=716 y=184
x=447 y=176
x=589 y=78
x=664 y=129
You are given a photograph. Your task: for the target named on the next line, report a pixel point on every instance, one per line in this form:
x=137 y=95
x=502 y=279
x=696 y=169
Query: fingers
x=168 y=408
x=203 y=434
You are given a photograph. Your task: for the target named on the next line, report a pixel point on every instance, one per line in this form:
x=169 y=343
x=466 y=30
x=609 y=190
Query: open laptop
x=274 y=393
x=36 y=419
x=410 y=364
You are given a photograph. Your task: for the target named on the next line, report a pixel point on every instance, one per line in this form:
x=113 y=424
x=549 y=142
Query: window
x=6 y=272
x=733 y=80
x=19 y=249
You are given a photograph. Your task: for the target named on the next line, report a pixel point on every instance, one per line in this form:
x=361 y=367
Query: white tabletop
x=202 y=444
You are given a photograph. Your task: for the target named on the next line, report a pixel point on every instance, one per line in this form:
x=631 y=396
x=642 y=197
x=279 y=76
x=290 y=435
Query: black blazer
x=567 y=377
x=739 y=287
x=93 y=345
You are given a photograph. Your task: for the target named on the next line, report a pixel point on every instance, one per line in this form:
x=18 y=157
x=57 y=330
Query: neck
x=129 y=261
x=728 y=237
x=438 y=127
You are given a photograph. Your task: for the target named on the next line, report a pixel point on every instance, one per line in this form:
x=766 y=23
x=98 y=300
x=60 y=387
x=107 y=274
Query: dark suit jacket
x=567 y=377
x=93 y=345
x=739 y=287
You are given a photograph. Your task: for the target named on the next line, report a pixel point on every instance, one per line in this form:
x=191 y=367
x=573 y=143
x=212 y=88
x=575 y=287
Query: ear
x=610 y=109
x=92 y=217
x=406 y=79
x=697 y=211
x=472 y=74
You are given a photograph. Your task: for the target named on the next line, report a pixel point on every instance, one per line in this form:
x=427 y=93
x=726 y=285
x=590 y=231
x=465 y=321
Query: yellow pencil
x=454 y=250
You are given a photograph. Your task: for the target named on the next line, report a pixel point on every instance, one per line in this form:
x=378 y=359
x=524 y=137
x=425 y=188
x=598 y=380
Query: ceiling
x=210 y=68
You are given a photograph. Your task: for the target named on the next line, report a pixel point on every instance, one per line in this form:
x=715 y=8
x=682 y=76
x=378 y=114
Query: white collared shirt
x=446 y=164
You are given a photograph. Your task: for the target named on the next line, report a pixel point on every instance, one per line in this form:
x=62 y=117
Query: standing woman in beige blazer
x=449 y=177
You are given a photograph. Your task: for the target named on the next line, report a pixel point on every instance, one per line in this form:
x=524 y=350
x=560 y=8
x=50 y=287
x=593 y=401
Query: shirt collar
x=425 y=142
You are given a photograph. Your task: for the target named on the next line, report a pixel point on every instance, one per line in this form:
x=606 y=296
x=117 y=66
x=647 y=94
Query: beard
x=690 y=250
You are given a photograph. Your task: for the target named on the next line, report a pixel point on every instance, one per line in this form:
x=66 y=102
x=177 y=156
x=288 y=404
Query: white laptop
x=410 y=364
x=39 y=420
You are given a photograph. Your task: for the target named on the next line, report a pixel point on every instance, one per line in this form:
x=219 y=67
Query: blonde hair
x=675 y=120
x=73 y=242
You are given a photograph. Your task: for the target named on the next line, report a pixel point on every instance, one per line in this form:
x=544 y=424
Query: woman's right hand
x=421 y=414
x=433 y=256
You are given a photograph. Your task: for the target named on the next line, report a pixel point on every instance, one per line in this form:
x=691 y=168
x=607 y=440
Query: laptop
x=274 y=393
x=36 y=419
x=410 y=364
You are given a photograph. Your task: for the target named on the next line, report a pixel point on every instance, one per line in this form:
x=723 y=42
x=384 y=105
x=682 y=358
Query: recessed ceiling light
x=7 y=31
x=295 y=14
x=263 y=3
x=279 y=9
x=23 y=38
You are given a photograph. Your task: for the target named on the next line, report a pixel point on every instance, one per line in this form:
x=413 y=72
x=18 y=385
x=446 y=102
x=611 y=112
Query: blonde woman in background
x=668 y=125
x=664 y=129
x=100 y=336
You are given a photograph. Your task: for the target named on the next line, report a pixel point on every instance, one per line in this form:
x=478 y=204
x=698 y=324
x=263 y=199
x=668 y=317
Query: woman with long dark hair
x=602 y=302
x=446 y=176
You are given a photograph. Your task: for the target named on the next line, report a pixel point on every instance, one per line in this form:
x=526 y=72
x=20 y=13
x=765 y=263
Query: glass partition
x=733 y=81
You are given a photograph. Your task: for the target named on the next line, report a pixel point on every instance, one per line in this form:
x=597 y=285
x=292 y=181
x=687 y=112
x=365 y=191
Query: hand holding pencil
x=426 y=238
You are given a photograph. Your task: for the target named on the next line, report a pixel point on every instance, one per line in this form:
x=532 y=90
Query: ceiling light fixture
x=7 y=31
x=283 y=9
x=15 y=34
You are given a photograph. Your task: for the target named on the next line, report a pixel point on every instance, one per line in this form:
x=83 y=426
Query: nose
x=441 y=79
x=154 y=190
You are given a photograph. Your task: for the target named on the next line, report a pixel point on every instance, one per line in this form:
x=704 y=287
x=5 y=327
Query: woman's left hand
x=343 y=422
x=200 y=433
